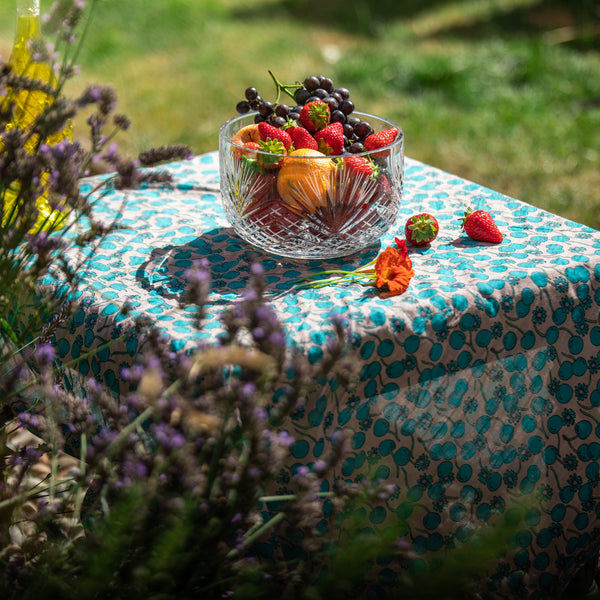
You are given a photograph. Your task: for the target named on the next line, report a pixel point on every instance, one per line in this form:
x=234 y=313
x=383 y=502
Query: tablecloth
x=479 y=387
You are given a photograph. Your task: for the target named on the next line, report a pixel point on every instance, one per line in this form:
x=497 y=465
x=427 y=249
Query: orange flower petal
x=393 y=271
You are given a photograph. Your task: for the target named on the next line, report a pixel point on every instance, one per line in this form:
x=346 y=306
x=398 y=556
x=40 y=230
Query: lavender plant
x=33 y=166
x=175 y=483
x=43 y=240
x=175 y=473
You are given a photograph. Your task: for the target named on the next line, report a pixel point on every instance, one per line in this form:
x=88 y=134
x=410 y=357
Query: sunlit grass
x=515 y=116
x=500 y=106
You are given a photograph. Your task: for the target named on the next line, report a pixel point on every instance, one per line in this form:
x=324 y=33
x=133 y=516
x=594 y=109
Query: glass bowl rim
x=398 y=141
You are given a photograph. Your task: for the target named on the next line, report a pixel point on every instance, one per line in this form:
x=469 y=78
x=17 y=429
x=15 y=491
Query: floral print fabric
x=479 y=387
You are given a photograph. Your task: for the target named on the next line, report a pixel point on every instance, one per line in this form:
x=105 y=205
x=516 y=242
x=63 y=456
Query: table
x=479 y=387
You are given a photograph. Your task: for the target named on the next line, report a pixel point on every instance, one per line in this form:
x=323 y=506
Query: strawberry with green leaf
x=479 y=225
x=421 y=229
x=274 y=141
x=269 y=132
x=315 y=115
x=361 y=167
x=270 y=153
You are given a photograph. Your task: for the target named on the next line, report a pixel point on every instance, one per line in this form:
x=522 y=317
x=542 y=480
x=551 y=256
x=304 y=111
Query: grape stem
x=281 y=87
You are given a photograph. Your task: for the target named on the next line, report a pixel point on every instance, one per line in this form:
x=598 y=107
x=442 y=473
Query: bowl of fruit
x=311 y=179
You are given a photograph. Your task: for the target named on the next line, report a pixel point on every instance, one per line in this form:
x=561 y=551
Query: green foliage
x=502 y=93
x=487 y=94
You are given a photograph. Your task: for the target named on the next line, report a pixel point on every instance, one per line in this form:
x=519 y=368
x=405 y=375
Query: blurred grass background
x=502 y=92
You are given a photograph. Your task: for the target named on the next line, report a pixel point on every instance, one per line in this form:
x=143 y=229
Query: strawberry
x=251 y=148
x=479 y=225
x=421 y=229
x=361 y=167
x=269 y=132
x=381 y=139
x=276 y=151
x=261 y=186
x=331 y=139
x=302 y=138
x=272 y=217
x=315 y=115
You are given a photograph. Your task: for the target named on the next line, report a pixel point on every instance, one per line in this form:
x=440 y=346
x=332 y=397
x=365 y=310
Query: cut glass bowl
x=309 y=206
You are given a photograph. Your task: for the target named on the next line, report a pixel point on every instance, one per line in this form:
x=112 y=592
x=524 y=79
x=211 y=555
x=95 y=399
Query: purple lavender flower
x=45 y=355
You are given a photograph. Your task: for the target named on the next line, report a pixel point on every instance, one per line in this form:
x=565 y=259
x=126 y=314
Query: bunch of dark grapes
x=312 y=88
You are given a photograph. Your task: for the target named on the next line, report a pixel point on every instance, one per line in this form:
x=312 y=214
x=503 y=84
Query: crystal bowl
x=309 y=206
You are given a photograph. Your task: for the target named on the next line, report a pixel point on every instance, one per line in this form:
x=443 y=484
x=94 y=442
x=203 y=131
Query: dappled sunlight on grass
x=462 y=13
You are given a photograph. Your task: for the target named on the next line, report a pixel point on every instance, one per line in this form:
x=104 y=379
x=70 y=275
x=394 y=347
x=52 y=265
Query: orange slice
x=305 y=178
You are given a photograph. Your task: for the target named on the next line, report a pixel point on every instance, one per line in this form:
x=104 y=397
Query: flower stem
x=363 y=276
x=82 y=465
x=258 y=532
x=288 y=497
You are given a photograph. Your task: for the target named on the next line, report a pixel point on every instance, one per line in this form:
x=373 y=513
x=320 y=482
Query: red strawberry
x=269 y=132
x=381 y=139
x=273 y=218
x=479 y=225
x=315 y=115
x=261 y=186
x=331 y=139
x=302 y=138
x=421 y=229
x=360 y=166
x=252 y=147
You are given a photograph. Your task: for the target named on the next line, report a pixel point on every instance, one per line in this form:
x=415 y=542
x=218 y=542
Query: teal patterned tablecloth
x=479 y=387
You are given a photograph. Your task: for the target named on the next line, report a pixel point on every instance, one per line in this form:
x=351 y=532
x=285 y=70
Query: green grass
x=481 y=89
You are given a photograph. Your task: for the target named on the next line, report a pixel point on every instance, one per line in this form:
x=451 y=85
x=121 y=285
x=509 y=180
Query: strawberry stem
x=463 y=220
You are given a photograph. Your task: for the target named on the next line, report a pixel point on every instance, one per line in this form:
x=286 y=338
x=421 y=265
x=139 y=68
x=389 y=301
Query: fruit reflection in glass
x=305 y=203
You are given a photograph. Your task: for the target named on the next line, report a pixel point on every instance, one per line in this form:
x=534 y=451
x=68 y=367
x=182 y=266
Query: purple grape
x=347 y=106
x=332 y=103
x=301 y=95
x=265 y=108
x=282 y=110
x=325 y=83
x=337 y=116
x=363 y=129
x=311 y=83
x=251 y=93
x=256 y=102
x=243 y=107
x=277 y=121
